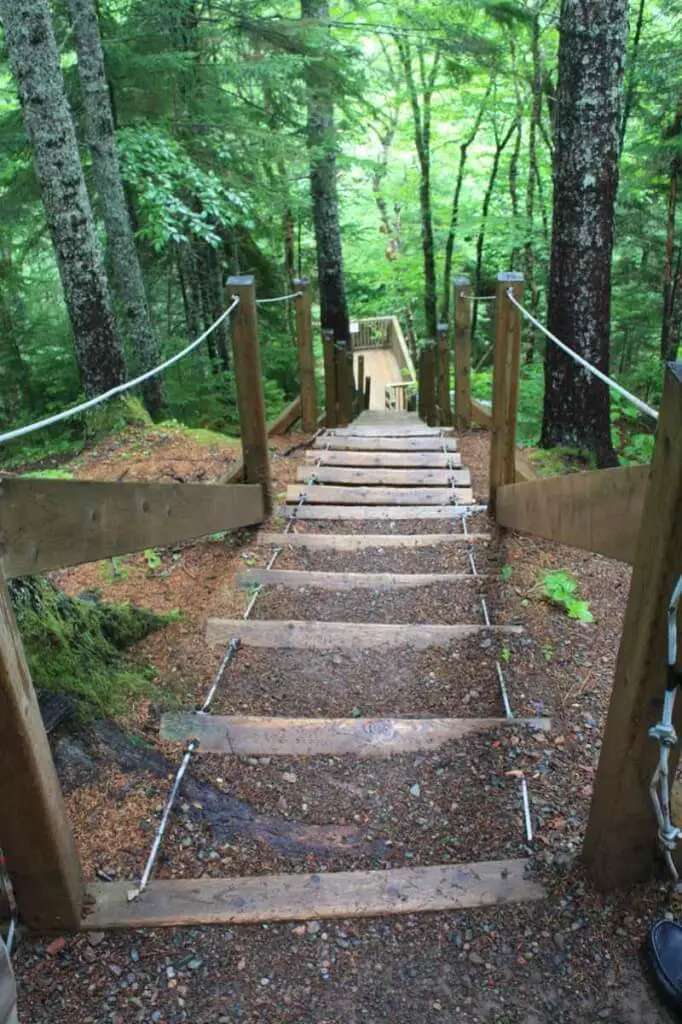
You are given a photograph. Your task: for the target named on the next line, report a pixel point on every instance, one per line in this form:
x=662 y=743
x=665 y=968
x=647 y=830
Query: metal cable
x=120 y=388
x=609 y=381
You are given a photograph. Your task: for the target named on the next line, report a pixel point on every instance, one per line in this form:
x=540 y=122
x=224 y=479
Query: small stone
x=194 y=964
x=476 y=960
x=559 y=940
x=89 y=955
x=264 y=982
x=170 y=972
x=134 y=955
x=56 y=946
x=314 y=927
x=416 y=790
x=94 y=938
x=290 y=777
x=668 y=917
x=115 y=970
x=241 y=965
x=299 y=930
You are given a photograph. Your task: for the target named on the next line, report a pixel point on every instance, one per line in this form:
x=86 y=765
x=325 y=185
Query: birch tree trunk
x=37 y=70
x=99 y=121
x=323 y=190
x=587 y=145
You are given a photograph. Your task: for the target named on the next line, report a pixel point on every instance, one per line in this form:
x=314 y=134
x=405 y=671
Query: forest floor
x=572 y=957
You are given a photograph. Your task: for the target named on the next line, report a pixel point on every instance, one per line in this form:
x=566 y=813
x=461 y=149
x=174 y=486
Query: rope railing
x=609 y=381
x=279 y=298
x=49 y=421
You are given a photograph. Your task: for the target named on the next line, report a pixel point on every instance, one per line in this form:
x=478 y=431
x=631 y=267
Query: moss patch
x=74 y=645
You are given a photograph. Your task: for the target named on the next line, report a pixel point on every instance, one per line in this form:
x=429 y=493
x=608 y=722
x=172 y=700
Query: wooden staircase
x=386 y=466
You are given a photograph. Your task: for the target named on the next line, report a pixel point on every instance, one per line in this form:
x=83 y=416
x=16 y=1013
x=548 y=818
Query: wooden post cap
x=241 y=281
x=301 y=282
x=461 y=282
x=510 y=277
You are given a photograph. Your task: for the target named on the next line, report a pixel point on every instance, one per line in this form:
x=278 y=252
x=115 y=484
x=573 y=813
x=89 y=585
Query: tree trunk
x=588 y=118
x=421 y=115
x=668 y=339
x=35 y=64
x=322 y=150
x=101 y=139
x=528 y=249
x=454 y=213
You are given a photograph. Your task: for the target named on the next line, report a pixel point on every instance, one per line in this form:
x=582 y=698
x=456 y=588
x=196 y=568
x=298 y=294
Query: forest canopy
x=441 y=147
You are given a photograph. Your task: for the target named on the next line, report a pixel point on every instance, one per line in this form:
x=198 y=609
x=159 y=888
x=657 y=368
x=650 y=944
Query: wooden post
x=330 y=390
x=462 y=305
x=306 y=358
x=505 y=383
x=444 y=410
x=620 y=842
x=345 y=383
x=368 y=391
x=39 y=848
x=427 y=383
x=360 y=386
x=249 y=381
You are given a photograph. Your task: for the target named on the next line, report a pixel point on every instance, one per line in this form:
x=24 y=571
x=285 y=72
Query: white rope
x=279 y=298
x=66 y=413
x=642 y=406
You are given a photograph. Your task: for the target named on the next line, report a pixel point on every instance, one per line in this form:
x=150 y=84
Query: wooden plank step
x=252 y=736
x=387 y=512
x=386 y=444
x=386 y=477
x=387 y=460
x=330 y=495
x=389 y=431
x=361 y=542
x=228 y=901
x=311 y=635
x=348 y=580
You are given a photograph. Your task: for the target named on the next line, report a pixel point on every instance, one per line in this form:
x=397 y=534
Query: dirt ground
x=572 y=957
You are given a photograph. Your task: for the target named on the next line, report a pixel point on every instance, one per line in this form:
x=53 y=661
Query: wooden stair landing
x=388 y=467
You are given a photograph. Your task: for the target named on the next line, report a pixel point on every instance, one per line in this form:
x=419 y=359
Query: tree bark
x=587 y=147
x=528 y=249
x=421 y=116
x=35 y=64
x=323 y=190
x=99 y=122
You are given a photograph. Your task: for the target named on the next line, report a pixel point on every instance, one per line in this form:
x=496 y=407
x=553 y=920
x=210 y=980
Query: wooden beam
x=427 y=383
x=506 y=370
x=461 y=287
x=388 y=430
x=348 y=580
x=249 y=382
x=286 y=419
x=387 y=444
x=331 y=398
x=306 y=356
x=599 y=511
x=388 y=512
x=344 y=380
x=366 y=542
x=620 y=843
x=387 y=460
x=524 y=470
x=334 y=894
x=311 y=635
x=330 y=495
x=39 y=848
x=387 y=477
x=444 y=410
x=481 y=415
x=49 y=524
x=333 y=737
x=367 y=399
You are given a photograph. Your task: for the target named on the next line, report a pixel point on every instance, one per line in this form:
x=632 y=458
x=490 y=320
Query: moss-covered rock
x=73 y=646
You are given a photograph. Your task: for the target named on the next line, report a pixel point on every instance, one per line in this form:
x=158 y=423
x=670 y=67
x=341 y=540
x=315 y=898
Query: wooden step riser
x=386 y=460
x=333 y=737
x=367 y=512
x=231 y=901
x=330 y=495
x=312 y=635
x=386 y=444
x=357 y=542
x=347 y=475
x=379 y=431
x=348 y=580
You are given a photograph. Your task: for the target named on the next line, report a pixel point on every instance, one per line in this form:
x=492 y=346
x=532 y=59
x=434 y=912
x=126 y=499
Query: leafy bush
x=561 y=589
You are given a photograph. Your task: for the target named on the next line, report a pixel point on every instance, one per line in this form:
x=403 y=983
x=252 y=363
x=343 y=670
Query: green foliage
x=506 y=572
x=561 y=589
x=73 y=646
x=153 y=559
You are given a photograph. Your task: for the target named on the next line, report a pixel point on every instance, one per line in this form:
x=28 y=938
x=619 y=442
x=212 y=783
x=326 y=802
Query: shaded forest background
x=448 y=104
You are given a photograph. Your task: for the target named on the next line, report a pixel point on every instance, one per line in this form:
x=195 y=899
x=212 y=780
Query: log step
x=387 y=431
x=384 y=477
x=388 y=512
x=387 y=444
x=308 y=737
x=249 y=578
x=360 y=542
x=330 y=495
x=229 y=901
x=312 y=635
x=387 y=460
